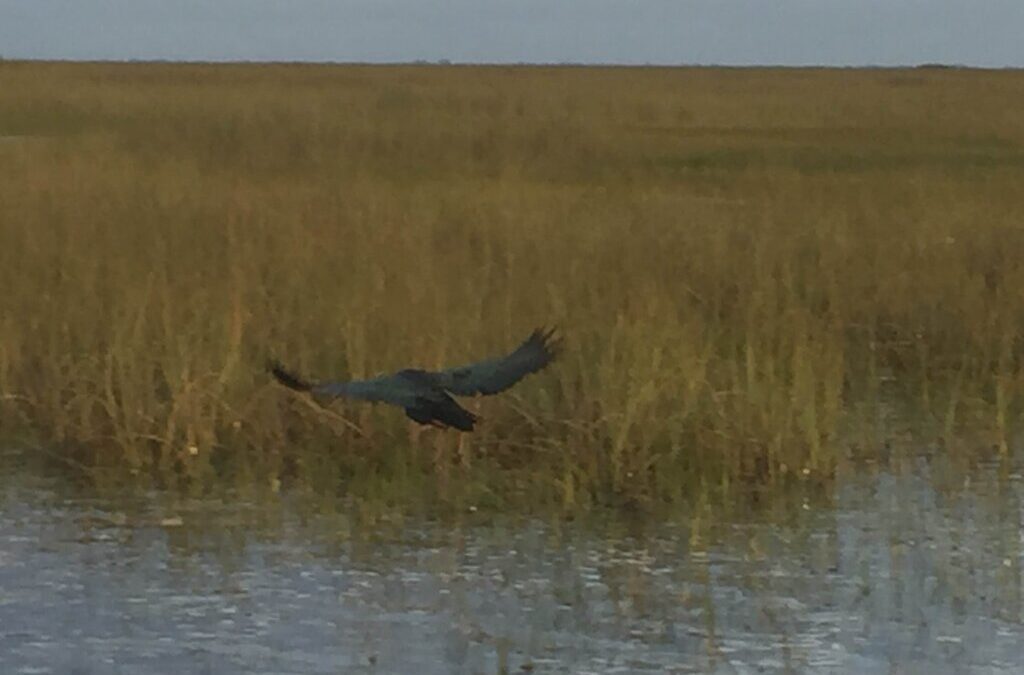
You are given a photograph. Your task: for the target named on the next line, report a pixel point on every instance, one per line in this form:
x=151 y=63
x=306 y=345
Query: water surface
x=906 y=574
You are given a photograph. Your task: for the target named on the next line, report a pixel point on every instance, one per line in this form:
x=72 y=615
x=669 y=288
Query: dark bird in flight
x=426 y=395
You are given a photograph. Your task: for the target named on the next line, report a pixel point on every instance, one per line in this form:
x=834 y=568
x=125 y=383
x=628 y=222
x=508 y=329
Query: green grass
x=752 y=269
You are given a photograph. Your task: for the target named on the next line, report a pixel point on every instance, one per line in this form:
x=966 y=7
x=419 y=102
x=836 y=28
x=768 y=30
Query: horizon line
x=442 y=62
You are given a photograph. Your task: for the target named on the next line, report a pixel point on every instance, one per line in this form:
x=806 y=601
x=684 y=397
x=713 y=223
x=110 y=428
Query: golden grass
x=751 y=268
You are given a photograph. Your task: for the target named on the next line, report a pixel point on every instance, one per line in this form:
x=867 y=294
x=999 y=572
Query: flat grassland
x=755 y=271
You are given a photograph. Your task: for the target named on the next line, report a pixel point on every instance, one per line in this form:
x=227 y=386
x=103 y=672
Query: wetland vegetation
x=759 y=274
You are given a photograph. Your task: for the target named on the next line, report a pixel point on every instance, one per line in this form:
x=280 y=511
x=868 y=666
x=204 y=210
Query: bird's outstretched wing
x=498 y=374
x=287 y=377
x=416 y=391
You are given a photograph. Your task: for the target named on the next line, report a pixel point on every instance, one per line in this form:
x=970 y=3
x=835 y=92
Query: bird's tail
x=456 y=416
x=449 y=413
x=288 y=379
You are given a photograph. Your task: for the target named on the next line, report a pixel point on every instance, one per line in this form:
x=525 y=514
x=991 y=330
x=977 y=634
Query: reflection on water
x=899 y=577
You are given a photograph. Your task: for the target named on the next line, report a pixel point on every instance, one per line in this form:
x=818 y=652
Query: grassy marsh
x=752 y=269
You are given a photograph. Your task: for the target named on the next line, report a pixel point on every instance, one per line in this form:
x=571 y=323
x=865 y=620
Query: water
x=901 y=576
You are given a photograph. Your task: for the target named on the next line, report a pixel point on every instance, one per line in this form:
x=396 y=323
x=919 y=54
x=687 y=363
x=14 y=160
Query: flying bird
x=426 y=395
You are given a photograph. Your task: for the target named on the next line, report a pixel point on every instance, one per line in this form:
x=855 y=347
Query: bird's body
x=426 y=395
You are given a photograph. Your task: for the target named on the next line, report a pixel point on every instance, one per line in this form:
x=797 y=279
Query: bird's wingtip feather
x=286 y=377
x=548 y=339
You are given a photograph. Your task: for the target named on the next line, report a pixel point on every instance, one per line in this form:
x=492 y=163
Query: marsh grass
x=752 y=269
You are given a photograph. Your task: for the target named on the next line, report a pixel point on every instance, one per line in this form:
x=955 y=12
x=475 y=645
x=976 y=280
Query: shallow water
x=900 y=576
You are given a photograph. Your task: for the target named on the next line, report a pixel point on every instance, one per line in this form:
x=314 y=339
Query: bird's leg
x=465 y=451
x=441 y=459
x=415 y=431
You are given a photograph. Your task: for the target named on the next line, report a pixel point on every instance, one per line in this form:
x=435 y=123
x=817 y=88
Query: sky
x=729 y=32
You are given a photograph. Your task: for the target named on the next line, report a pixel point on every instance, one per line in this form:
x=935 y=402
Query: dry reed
x=751 y=268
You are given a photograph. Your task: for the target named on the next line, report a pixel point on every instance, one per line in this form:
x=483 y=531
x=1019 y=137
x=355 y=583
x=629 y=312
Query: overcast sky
x=790 y=32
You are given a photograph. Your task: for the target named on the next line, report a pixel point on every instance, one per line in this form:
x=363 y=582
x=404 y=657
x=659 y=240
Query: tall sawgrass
x=754 y=270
